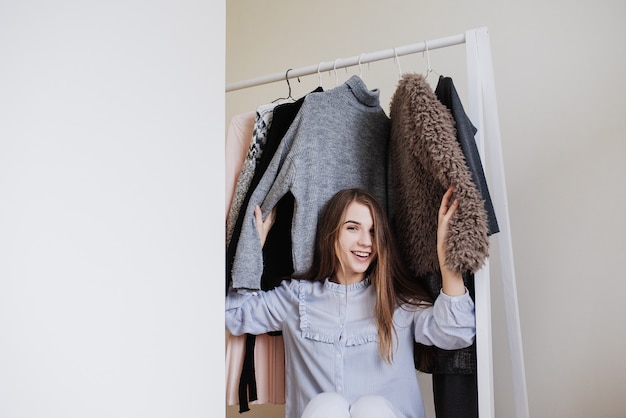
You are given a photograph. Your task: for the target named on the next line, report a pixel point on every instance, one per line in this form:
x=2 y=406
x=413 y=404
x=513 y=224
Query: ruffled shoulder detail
x=372 y=337
x=306 y=291
x=319 y=313
x=319 y=337
x=304 y=318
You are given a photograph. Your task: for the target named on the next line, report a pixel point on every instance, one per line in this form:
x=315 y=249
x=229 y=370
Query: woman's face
x=355 y=245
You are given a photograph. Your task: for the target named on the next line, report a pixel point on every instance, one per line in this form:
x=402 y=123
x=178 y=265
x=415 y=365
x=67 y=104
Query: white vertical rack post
x=482 y=282
x=483 y=111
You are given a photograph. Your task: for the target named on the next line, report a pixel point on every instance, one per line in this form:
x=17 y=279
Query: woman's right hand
x=263 y=226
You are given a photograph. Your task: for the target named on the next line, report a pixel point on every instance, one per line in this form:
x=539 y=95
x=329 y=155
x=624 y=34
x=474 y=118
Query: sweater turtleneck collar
x=362 y=93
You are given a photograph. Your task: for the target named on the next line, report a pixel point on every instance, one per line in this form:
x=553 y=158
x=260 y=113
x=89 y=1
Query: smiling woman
x=355 y=246
x=349 y=323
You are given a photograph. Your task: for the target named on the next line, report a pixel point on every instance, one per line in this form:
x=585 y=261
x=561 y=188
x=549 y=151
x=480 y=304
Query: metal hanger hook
x=360 y=67
x=287 y=80
x=319 y=75
x=428 y=69
x=397 y=60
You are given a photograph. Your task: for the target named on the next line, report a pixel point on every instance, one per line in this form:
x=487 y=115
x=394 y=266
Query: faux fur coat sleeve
x=425 y=159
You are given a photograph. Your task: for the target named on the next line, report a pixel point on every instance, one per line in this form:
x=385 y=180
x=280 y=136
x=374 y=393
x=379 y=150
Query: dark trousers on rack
x=455 y=395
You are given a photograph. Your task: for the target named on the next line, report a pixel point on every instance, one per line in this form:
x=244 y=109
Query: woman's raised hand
x=452 y=281
x=263 y=226
x=446 y=211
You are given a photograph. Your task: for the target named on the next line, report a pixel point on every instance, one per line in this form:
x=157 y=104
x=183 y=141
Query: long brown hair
x=389 y=276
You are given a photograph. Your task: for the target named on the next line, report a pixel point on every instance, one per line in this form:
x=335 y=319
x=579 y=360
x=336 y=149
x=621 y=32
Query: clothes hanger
x=289 y=96
x=360 y=67
x=428 y=67
x=335 y=70
x=397 y=60
x=319 y=75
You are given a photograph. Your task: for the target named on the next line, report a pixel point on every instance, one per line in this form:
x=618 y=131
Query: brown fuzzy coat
x=425 y=160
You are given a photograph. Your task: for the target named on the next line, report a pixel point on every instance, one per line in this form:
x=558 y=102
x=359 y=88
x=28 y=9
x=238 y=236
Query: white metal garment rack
x=483 y=111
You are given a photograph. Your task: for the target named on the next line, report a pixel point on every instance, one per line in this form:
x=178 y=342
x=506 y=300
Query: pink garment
x=269 y=361
x=238 y=141
x=269 y=352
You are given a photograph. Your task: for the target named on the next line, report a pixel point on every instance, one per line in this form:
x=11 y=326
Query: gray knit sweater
x=338 y=140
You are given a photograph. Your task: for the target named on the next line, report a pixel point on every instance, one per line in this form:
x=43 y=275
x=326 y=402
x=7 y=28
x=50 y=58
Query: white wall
x=558 y=68
x=111 y=137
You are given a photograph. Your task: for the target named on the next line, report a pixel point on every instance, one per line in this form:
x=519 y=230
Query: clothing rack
x=483 y=111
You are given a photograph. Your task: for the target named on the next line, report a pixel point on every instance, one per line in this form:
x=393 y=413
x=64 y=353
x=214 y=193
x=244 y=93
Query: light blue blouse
x=331 y=339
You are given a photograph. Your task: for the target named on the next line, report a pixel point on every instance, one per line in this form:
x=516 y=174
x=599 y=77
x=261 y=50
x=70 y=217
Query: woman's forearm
x=452 y=282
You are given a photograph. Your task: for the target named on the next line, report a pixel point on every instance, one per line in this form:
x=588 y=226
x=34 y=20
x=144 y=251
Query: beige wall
x=559 y=77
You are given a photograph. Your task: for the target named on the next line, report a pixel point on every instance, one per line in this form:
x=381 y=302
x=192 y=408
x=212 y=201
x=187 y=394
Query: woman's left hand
x=446 y=211
x=452 y=281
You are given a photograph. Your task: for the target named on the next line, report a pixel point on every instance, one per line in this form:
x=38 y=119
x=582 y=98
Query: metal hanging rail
x=363 y=58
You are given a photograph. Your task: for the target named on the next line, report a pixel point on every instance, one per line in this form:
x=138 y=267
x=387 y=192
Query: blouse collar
x=336 y=287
